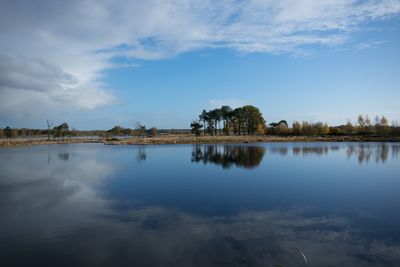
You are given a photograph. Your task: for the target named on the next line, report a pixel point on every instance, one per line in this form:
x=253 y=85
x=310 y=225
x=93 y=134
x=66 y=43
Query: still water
x=273 y=204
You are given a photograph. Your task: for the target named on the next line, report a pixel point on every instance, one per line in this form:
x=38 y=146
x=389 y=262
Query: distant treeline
x=60 y=131
x=63 y=131
x=363 y=127
x=249 y=120
x=246 y=120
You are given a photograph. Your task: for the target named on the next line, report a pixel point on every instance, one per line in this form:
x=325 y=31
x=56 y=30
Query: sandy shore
x=190 y=139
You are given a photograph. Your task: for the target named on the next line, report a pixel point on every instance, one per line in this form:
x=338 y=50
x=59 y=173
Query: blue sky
x=316 y=62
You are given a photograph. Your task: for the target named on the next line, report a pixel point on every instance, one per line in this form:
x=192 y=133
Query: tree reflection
x=63 y=156
x=317 y=150
x=364 y=152
x=279 y=150
x=227 y=156
x=377 y=152
x=141 y=155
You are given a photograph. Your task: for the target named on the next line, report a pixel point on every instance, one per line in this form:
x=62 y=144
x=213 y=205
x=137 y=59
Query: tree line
x=63 y=131
x=58 y=131
x=362 y=127
x=249 y=120
x=246 y=120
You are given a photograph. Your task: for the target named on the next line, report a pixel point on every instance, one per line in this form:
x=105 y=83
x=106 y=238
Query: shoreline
x=191 y=139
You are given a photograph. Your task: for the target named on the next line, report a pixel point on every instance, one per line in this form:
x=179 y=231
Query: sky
x=96 y=64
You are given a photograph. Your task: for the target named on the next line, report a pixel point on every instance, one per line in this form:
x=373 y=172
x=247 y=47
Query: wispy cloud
x=58 y=50
x=366 y=45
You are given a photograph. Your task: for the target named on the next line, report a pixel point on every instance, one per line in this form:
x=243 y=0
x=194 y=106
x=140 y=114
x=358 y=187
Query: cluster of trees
x=304 y=128
x=63 y=130
x=380 y=126
x=140 y=130
x=9 y=132
x=363 y=127
x=119 y=131
x=249 y=120
x=225 y=120
x=60 y=131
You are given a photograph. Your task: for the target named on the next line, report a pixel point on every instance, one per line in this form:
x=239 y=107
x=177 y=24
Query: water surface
x=201 y=205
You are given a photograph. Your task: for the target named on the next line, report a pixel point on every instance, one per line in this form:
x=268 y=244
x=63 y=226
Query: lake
x=270 y=204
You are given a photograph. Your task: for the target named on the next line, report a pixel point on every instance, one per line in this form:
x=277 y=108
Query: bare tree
x=49 y=127
x=383 y=121
x=153 y=131
x=361 y=121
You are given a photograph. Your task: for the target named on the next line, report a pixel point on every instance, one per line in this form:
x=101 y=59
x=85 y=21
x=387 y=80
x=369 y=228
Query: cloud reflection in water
x=58 y=215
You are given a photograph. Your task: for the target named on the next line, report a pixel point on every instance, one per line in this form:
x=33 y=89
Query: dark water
x=209 y=205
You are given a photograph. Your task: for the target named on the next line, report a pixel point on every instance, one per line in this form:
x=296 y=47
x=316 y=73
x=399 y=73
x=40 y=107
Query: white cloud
x=366 y=45
x=58 y=50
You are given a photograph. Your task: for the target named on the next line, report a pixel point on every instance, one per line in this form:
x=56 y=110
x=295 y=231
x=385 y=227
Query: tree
x=260 y=129
x=49 y=125
x=205 y=117
x=368 y=125
x=252 y=118
x=367 y=121
x=226 y=112
x=283 y=122
x=237 y=120
x=321 y=128
x=376 y=120
x=280 y=127
x=361 y=122
x=216 y=116
x=273 y=125
x=196 y=128
x=61 y=130
x=383 y=121
x=141 y=130
x=382 y=128
x=296 y=128
x=306 y=128
x=348 y=128
x=8 y=132
x=153 y=131
x=116 y=130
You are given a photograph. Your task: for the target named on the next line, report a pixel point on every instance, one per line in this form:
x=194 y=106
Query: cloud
x=367 y=45
x=56 y=51
x=66 y=205
x=22 y=79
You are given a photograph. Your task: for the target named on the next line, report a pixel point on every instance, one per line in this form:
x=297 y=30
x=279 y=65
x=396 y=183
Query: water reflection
x=141 y=154
x=319 y=150
x=228 y=155
x=372 y=152
x=63 y=156
x=63 y=214
x=251 y=156
x=363 y=152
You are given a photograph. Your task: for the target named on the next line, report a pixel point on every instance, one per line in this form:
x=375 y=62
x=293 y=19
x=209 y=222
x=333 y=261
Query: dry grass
x=191 y=139
x=17 y=143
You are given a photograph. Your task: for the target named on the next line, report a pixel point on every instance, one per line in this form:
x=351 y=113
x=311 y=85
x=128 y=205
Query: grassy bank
x=19 y=142
x=191 y=139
